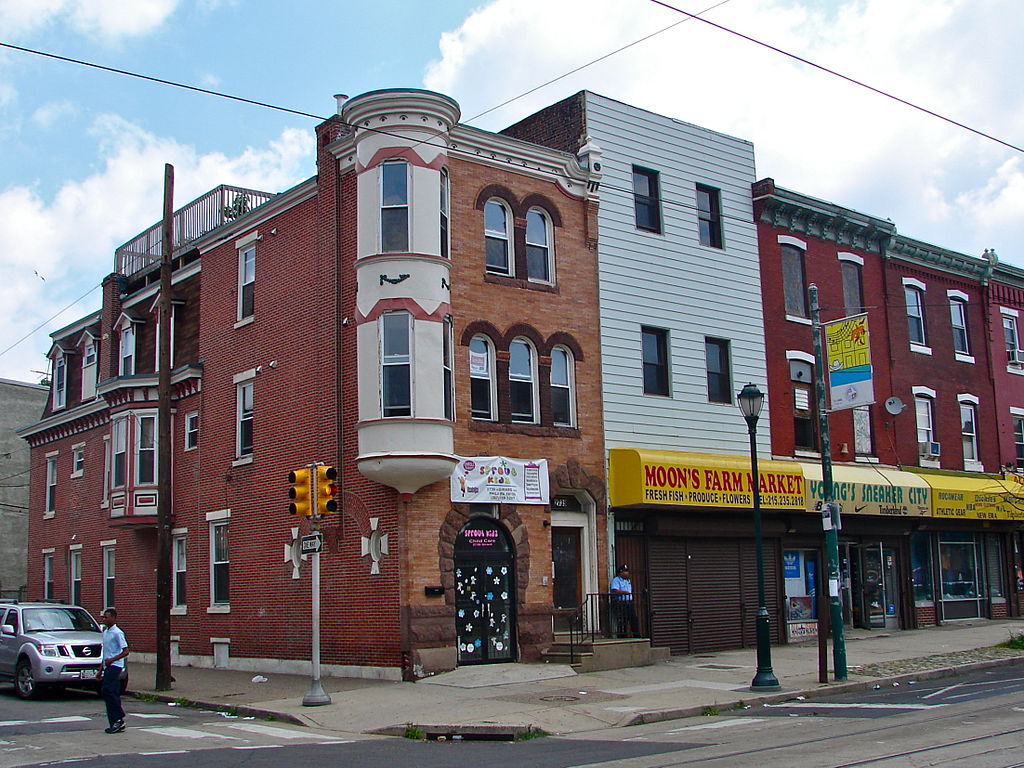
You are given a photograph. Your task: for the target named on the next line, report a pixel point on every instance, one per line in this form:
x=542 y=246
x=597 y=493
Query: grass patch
x=1016 y=641
x=146 y=697
x=709 y=711
x=181 y=701
x=532 y=733
x=414 y=732
x=269 y=717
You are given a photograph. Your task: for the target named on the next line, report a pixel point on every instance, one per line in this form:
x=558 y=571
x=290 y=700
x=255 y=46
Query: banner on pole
x=848 y=360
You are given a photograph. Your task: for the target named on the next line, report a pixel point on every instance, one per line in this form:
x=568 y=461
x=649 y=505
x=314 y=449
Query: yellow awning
x=974 y=498
x=648 y=476
x=870 y=490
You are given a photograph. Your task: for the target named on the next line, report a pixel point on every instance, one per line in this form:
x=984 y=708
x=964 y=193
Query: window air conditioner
x=929 y=450
x=1016 y=356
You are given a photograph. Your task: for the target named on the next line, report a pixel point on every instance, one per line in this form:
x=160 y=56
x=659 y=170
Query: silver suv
x=48 y=645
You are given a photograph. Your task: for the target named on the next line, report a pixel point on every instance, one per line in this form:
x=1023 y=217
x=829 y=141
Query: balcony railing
x=200 y=217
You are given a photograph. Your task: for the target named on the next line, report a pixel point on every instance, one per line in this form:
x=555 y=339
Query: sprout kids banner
x=500 y=480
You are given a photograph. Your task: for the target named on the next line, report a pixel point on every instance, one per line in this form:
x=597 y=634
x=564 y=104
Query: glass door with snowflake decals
x=484 y=593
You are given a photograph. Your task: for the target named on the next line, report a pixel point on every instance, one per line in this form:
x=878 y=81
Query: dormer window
x=60 y=382
x=127 y=351
x=89 y=370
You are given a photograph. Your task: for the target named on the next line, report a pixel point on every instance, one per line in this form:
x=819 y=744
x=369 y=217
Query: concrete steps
x=605 y=653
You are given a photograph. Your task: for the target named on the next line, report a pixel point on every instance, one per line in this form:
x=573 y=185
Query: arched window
x=497 y=234
x=396 y=364
x=563 y=409
x=538 y=246
x=522 y=376
x=481 y=378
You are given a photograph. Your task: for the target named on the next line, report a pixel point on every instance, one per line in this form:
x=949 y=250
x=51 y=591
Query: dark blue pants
x=110 y=690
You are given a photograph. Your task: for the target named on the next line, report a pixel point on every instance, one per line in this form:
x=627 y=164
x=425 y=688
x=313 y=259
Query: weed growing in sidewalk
x=414 y=732
x=709 y=711
x=1016 y=641
x=532 y=733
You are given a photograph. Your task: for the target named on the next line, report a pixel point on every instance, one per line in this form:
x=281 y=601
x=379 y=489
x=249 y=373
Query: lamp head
x=750 y=400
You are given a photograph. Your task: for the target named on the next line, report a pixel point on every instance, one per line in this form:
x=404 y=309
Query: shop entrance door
x=567 y=573
x=484 y=593
x=878 y=590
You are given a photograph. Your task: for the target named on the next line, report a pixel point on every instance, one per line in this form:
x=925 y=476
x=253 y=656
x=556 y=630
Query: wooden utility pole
x=163 y=528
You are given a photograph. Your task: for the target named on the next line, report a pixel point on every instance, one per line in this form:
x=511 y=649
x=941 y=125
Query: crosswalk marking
x=720 y=724
x=830 y=705
x=176 y=732
x=267 y=730
x=153 y=715
x=165 y=752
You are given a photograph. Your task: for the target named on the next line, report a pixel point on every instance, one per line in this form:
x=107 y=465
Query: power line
x=48 y=320
x=840 y=75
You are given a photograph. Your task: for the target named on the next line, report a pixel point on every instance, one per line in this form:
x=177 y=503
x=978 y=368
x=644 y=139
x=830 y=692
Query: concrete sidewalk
x=510 y=698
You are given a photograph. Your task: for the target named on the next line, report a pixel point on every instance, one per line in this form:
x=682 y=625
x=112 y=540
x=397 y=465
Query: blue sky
x=84 y=150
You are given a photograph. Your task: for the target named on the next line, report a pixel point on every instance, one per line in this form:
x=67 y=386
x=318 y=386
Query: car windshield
x=57 y=619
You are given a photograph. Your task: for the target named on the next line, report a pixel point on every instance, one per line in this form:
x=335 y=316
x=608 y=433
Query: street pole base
x=765 y=680
x=316 y=696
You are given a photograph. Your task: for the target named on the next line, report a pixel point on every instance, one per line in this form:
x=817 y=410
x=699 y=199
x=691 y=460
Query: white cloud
x=50 y=113
x=70 y=239
x=812 y=131
x=109 y=19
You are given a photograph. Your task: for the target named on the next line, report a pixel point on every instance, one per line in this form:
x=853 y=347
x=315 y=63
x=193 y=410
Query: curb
x=235 y=709
x=657 y=716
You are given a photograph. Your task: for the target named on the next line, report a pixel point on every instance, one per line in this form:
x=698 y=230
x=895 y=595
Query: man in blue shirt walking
x=115 y=650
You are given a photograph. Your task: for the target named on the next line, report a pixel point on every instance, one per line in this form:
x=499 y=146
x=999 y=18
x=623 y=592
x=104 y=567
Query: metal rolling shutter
x=772 y=590
x=716 y=594
x=667 y=580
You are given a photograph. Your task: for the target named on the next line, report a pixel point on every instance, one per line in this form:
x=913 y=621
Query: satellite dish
x=894 y=406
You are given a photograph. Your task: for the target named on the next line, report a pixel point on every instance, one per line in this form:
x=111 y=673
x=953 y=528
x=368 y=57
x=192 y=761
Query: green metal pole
x=830 y=510
x=764 y=679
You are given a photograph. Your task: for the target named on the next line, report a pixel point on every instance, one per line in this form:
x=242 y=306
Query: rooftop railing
x=200 y=217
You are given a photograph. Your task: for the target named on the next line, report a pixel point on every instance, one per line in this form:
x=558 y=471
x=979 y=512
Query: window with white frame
x=89 y=369
x=119 y=451
x=145 y=450
x=445 y=204
x=851 y=271
x=191 y=430
x=1011 y=337
x=481 y=378
x=127 y=350
x=1018 y=439
x=219 y=563
x=498 y=237
x=794 y=280
x=179 y=554
x=522 y=376
x=246 y=281
x=48 y=575
x=958 y=321
x=969 y=429
x=913 y=292
x=805 y=401
x=396 y=363
x=448 y=375
x=538 y=246
x=60 y=381
x=78 y=460
x=244 y=418
x=75 y=576
x=924 y=407
x=563 y=410
x=394 y=206
x=51 y=484
x=109 y=574
x=863 y=439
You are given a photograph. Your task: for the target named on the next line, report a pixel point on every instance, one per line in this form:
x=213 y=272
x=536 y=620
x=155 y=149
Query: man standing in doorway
x=622 y=603
x=115 y=650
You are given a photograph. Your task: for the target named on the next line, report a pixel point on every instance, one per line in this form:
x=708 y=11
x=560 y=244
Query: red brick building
x=930 y=526
x=426 y=297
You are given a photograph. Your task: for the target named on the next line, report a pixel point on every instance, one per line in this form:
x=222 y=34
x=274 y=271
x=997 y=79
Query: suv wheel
x=25 y=684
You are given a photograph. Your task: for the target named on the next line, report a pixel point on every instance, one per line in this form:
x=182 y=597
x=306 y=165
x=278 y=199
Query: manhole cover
x=559 y=698
x=717 y=666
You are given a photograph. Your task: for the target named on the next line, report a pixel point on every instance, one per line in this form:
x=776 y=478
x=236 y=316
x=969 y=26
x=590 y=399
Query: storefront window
x=959 y=562
x=921 y=566
x=800 y=570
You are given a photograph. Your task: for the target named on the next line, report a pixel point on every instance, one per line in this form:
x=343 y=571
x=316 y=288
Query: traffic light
x=300 y=492
x=326 y=490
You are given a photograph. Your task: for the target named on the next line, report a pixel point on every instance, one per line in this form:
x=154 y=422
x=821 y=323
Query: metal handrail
x=200 y=217
x=605 y=615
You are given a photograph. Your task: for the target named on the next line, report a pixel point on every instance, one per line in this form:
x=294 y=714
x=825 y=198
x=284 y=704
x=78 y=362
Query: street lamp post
x=750 y=400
